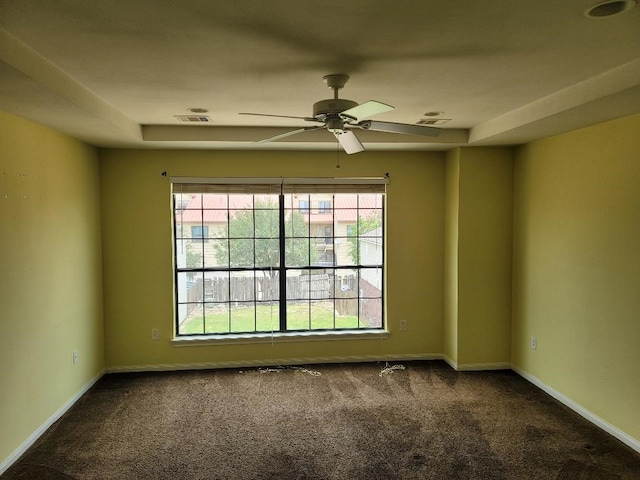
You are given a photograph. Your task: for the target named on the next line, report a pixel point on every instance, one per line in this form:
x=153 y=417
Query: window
x=199 y=232
x=303 y=206
x=324 y=206
x=269 y=267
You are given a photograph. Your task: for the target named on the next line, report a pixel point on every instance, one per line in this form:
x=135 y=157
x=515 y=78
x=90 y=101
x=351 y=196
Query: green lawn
x=266 y=317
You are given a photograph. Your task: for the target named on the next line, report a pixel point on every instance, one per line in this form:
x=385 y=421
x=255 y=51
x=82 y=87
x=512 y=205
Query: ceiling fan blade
x=366 y=109
x=349 y=141
x=308 y=119
x=287 y=134
x=392 y=127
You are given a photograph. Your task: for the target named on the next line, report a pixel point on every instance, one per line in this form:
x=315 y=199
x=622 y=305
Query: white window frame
x=312 y=185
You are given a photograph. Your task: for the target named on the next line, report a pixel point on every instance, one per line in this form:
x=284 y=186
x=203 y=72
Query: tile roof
x=212 y=208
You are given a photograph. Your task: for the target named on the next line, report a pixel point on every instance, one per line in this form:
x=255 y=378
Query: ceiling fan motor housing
x=332 y=107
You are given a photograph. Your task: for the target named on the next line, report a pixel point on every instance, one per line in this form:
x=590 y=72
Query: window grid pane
x=228 y=262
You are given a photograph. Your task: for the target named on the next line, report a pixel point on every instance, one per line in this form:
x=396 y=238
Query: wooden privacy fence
x=243 y=289
x=302 y=287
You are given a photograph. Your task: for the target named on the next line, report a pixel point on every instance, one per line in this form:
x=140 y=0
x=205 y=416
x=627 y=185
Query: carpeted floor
x=425 y=422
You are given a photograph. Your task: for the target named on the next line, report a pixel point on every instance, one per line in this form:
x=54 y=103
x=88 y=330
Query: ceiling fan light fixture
x=334 y=125
x=609 y=8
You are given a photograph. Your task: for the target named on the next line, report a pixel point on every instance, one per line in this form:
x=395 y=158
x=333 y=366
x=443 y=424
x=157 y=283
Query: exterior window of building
x=324 y=206
x=199 y=232
x=271 y=265
x=303 y=206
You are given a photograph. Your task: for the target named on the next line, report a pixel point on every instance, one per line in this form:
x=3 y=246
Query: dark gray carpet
x=425 y=422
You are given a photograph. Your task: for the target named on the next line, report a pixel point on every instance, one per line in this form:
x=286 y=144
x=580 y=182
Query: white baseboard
x=6 y=463
x=272 y=362
x=450 y=361
x=593 y=418
x=477 y=367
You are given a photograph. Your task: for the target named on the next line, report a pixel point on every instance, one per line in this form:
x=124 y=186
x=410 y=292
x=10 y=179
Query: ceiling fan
x=341 y=116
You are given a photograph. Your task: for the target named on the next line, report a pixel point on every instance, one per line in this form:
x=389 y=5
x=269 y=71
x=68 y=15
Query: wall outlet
x=155 y=334
x=74 y=357
x=403 y=325
x=534 y=343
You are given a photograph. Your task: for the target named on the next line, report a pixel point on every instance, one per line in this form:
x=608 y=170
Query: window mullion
x=282 y=271
x=204 y=280
x=255 y=285
x=309 y=270
x=334 y=250
x=229 y=264
x=358 y=259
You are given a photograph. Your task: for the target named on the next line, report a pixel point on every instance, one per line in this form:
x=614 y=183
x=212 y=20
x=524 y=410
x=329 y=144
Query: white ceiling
x=114 y=73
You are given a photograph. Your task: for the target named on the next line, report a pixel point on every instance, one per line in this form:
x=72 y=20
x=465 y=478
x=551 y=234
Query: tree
x=194 y=260
x=364 y=225
x=262 y=225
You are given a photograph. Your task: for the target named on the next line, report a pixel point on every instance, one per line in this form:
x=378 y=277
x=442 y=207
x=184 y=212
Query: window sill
x=268 y=337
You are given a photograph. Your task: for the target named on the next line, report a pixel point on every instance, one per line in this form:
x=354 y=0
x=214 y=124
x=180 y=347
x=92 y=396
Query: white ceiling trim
x=26 y=60
x=622 y=78
x=206 y=133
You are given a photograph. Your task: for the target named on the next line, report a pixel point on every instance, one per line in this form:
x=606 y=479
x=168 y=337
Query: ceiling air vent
x=433 y=121
x=193 y=118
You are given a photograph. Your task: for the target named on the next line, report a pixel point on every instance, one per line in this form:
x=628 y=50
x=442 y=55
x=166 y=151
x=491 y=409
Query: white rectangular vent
x=193 y=118
x=433 y=121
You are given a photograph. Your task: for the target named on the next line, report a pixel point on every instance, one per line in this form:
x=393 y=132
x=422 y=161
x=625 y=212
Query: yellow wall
x=478 y=236
x=577 y=268
x=138 y=258
x=484 y=257
x=50 y=279
x=452 y=206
